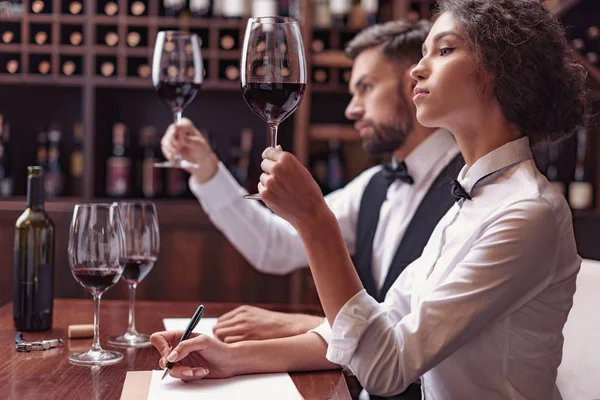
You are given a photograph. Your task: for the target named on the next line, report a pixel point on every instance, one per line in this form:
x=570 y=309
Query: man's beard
x=386 y=137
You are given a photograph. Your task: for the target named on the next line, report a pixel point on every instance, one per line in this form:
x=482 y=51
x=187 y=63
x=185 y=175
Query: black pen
x=186 y=334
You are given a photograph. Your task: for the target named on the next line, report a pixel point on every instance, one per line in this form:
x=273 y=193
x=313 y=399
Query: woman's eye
x=445 y=51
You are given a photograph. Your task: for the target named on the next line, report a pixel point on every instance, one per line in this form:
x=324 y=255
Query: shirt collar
x=496 y=160
x=426 y=155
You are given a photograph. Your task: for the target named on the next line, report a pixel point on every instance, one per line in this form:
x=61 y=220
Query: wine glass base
x=176 y=164
x=254 y=196
x=128 y=340
x=102 y=357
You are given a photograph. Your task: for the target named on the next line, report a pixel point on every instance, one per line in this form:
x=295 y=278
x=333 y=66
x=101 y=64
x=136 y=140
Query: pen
x=186 y=334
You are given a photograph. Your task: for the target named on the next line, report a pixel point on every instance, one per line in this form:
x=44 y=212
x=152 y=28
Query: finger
x=188 y=374
x=261 y=188
x=267 y=165
x=163 y=340
x=273 y=153
x=230 y=314
x=199 y=343
x=235 y=339
x=264 y=178
x=232 y=331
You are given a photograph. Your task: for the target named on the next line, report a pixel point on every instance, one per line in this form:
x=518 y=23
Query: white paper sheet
x=179 y=324
x=261 y=386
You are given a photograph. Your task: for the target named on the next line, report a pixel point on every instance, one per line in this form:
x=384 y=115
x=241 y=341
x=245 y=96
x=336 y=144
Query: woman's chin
x=426 y=119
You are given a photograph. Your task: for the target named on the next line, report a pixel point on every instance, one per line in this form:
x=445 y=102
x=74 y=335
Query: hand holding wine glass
x=96 y=259
x=140 y=223
x=273 y=70
x=177 y=73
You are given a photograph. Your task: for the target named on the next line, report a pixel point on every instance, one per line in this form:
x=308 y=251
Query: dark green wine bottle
x=33 y=274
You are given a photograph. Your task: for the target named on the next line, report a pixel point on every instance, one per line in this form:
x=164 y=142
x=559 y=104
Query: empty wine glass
x=273 y=71
x=177 y=73
x=140 y=223
x=96 y=259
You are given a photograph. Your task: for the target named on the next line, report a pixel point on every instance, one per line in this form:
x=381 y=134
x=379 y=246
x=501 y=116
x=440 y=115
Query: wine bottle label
x=199 y=6
x=175 y=182
x=7 y=36
x=340 y=7
x=6 y=187
x=264 y=8
x=75 y=7
x=111 y=8
x=118 y=176
x=580 y=195
x=174 y=4
x=321 y=14
x=151 y=182
x=234 y=8
x=76 y=164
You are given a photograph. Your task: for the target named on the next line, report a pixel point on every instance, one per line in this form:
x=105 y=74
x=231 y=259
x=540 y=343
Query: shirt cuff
x=350 y=325
x=323 y=330
x=219 y=191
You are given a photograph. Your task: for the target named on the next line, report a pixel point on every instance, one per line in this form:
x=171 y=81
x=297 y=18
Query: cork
x=80 y=331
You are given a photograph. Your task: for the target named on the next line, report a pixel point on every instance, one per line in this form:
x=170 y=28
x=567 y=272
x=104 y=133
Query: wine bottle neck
x=35 y=193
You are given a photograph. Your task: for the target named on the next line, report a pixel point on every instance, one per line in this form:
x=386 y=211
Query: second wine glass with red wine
x=273 y=71
x=96 y=258
x=177 y=73
x=142 y=243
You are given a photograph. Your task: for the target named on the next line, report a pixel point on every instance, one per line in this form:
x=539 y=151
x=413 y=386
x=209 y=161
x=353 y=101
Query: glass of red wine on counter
x=273 y=71
x=177 y=73
x=96 y=259
x=142 y=242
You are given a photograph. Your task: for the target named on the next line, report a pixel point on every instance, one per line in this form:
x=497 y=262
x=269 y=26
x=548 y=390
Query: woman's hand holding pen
x=290 y=191
x=195 y=358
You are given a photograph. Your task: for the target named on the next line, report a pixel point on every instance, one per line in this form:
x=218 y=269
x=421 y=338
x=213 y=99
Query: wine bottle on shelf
x=41 y=37
x=75 y=7
x=370 y=7
x=133 y=39
x=320 y=75
x=335 y=170
x=144 y=71
x=44 y=67
x=232 y=72
x=111 y=38
x=243 y=166
x=339 y=11
x=41 y=150
x=37 y=6
x=13 y=8
x=6 y=179
x=138 y=8
x=200 y=8
x=76 y=162
x=235 y=10
x=75 y=38
x=7 y=36
x=265 y=8
x=317 y=45
x=33 y=265
x=107 y=68
x=111 y=8
x=552 y=168
x=217 y=8
x=118 y=165
x=54 y=177
x=318 y=169
x=581 y=190
x=150 y=178
x=227 y=42
x=173 y=8
x=176 y=182
x=68 y=68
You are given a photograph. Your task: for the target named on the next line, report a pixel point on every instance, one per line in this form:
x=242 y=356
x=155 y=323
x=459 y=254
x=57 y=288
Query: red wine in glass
x=136 y=268
x=97 y=280
x=273 y=101
x=177 y=95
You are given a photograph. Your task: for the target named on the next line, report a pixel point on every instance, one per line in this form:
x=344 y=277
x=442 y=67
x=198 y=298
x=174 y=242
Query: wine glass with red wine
x=142 y=242
x=177 y=73
x=96 y=259
x=273 y=71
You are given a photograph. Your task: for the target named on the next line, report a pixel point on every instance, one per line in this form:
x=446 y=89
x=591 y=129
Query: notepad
x=260 y=386
x=205 y=325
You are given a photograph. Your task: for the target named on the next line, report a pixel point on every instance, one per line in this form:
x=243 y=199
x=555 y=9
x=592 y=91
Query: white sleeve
x=498 y=275
x=269 y=243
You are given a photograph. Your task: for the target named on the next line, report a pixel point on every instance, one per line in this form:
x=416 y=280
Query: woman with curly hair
x=480 y=314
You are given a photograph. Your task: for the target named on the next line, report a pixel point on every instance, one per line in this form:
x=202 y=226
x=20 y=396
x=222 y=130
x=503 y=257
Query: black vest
x=436 y=202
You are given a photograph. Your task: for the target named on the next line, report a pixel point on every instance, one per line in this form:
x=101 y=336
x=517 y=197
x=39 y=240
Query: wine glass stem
x=177 y=117
x=273 y=128
x=96 y=342
x=131 y=329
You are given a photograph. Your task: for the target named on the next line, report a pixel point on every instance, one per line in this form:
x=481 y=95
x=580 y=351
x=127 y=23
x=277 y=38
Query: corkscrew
x=23 y=346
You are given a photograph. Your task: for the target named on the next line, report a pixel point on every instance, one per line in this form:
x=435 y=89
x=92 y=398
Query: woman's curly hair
x=537 y=81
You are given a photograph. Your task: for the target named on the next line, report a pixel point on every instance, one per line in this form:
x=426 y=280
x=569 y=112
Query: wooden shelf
x=332 y=59
x=35 y=79
x=11 y=48
x=345 y=133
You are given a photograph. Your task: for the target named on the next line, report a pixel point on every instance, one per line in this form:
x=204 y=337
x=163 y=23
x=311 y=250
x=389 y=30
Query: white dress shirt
x=480 y=314
x=273 y=246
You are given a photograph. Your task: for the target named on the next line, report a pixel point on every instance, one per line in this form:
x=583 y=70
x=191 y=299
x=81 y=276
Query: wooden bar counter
x=49 y=375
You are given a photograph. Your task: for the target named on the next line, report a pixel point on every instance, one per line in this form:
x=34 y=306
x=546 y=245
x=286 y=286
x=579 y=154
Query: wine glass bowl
x=177 y=73
x=273 y=71
x=96 y=259
x=142 y=243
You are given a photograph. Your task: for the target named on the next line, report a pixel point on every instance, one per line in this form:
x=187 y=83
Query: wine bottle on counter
x=552 y=168
x=173 y=8
x=200 y=8
x=33 y=265
x=339 y=11
x=581 y=190
x=118 y=165
x=6 y=179
x=76 y=161
x=54 y=176
x=150 y=177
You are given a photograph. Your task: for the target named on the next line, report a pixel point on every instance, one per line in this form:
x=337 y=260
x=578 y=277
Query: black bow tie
x=459 y=192
x=400 y=172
